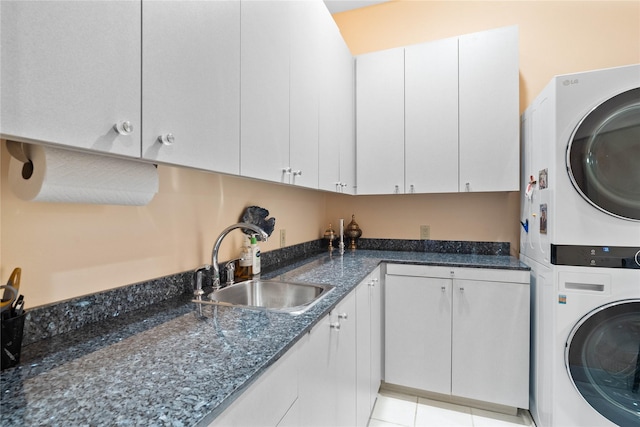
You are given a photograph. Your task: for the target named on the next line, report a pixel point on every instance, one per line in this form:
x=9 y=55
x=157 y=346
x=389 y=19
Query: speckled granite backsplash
x=57 y=318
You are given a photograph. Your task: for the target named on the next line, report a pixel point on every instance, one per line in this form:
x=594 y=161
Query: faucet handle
x=199 y=272
x=230 y=268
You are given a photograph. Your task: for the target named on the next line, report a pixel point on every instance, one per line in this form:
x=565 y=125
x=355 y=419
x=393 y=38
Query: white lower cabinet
x=462 y=332
x=327 y=386
x=369 y=345
x=330 y=377
x=271 y=400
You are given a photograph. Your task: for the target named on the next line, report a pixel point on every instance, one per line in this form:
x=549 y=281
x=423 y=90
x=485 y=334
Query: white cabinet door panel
x=431 y=117
x=418 y=332
x=376 y=336
x=304 y=92
x=191 y=83
x=264 y=98
x=490 y=342
x=70 y=72
x=363 y=352
x=337 y=115
x=316 y=399
x=489 y=111
x=344 y=370
x=380 y=123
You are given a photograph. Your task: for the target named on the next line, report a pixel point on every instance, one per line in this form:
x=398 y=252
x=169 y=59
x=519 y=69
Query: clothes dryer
x=581 y=162
x=585 y=363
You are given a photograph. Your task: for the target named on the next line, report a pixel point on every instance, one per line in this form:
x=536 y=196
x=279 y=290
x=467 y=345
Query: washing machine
x=586 y=335
x=580 y=235
x=581 y=163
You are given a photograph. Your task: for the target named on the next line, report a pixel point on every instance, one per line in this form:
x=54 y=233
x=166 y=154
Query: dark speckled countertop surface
x=162 y=365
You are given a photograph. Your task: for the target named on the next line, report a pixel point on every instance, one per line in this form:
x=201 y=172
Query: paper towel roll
x=66 y=176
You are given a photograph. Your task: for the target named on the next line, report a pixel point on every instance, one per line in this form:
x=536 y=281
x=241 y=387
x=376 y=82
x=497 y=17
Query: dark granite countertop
x=163 y=365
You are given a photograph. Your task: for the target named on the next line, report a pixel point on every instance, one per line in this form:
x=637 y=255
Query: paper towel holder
x=19 y=150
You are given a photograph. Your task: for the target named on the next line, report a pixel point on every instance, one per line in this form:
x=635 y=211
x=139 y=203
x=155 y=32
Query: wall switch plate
x=283 y=238
x=425 y=232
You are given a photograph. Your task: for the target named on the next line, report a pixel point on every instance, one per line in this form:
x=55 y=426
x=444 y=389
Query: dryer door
x=602 y=358
x=604 y=153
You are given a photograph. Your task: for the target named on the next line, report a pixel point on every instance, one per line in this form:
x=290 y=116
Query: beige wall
x=72 y=250
x=67 y=250
x=556 y=37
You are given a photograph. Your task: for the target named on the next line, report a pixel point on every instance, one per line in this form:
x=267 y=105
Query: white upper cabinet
x=440 y=116
x=431 y=117
x=337 y=111
x=71 y=71
x=264 y=105
x=191 y=84
x=281 y=74
x=304 y=91
x=347 y=121
x=380 y=122
x=489 y=111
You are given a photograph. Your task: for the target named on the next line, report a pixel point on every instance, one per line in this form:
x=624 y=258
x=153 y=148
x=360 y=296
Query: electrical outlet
x=425 y=232
x=283 y=238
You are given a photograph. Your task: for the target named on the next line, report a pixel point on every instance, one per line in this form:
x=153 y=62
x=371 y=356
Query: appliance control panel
x=596 y=256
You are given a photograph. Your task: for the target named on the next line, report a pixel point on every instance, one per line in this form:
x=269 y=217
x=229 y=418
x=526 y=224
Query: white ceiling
x=336 y=6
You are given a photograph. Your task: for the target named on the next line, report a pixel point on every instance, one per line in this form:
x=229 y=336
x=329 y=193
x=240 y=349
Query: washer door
x=602 y=358
x=604 y=153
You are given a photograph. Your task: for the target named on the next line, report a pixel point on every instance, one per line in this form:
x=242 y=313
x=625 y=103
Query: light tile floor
x=394 y=409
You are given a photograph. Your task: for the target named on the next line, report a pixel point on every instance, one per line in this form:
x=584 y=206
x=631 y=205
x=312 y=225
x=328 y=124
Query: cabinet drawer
x=490 y=274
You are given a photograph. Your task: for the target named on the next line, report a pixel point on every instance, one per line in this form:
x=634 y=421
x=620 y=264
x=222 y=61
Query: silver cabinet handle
x=343 y=316
x=166 y=139
x=397 y=189
x=124 y=127
x=335 y=325
x=297 y=173
x=443 y=288
x=286 y=170
x=461 y=289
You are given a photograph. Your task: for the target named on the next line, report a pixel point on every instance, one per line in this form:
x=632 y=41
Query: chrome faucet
x=263 y=236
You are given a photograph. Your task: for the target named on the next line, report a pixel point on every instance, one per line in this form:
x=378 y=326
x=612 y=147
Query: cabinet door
x=264 y=105
x=375 y=305
x=489 y=111
x=344 y=369
x=431 y=117
x=418 y=332
x=70 y=71
x=337 y=158
x=491 y=342
x=191 y=83
x=380 y=122
x=347 y=119
x=304 y=91
x=363 y=352
x=316 y=400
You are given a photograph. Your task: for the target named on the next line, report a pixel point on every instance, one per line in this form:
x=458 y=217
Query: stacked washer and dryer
x=581 y=237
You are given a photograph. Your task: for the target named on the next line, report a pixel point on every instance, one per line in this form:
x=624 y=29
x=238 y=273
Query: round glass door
x=604 y=153
x=602 y=358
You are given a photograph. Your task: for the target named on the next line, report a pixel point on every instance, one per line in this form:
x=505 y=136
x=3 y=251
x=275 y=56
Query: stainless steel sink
x=272 y=295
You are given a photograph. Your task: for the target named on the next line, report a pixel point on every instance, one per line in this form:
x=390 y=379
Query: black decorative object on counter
x=258 y=216
x=11 y=338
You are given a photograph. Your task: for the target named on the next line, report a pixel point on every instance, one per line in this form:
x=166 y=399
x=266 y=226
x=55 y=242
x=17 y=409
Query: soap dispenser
x=255 y=252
